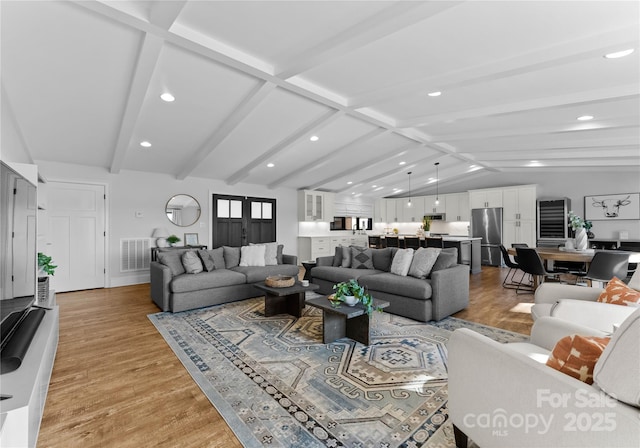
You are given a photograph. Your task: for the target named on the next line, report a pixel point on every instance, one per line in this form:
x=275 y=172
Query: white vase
x=582 y=242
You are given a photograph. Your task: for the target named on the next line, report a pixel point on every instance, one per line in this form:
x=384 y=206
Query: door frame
x=246 y=212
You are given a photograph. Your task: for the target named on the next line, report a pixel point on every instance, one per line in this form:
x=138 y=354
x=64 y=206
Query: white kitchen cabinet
x=518 y=232
x=519 y=215
x=380 y=210
x=315 y=206
x=457 y=207
x=485 y=198
x=430 y=204
x=414 y=213
x=312 y=247
x=329 y=206
x=392 y=211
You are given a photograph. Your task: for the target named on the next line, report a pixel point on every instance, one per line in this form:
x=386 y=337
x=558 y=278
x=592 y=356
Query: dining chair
x=513 y=269
x=434 y=242
x=530 y=263
x=374 y=242
x=605 y=265
x=392 y=241
x=516 y=245
x=411 y=242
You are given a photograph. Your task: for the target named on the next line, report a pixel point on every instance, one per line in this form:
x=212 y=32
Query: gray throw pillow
x=337 y=257
x=447 y=258
x=172 y=261
x=206 y=259
x=381 y=259
x=423 y=261
x=361 y=258
x=346 y=257
x=279 y=254
x=217 y=255
x=402 y=262
x=191 y=262
x=231 y=256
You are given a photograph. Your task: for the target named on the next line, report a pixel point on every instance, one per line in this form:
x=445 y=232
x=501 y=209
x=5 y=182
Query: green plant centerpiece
x=172 y=239
x=351 y=288
x=426 y=223
x=45 y=264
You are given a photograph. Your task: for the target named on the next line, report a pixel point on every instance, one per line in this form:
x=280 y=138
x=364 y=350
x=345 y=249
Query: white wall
x=130 y=192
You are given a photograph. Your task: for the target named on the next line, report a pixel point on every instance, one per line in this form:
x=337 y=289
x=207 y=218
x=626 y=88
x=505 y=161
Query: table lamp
x=161 y=234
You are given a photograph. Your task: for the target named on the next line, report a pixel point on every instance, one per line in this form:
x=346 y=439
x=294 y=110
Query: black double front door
x=240 y=220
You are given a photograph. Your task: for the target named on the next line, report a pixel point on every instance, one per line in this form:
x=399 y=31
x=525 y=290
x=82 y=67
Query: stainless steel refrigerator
x=486 y=223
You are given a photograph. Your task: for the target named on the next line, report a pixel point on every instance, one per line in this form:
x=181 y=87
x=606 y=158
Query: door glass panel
x=267 y=210
x=256 y=210
x=223 y=208
x=236 y=209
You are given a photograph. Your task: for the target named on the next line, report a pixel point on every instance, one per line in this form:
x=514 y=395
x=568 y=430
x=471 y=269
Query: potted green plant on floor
x=45 y=269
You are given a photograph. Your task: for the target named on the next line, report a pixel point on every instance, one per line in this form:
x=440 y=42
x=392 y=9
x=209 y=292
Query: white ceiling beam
x=302 y=132
x=145 y=66
x=386 y=22
x=539 y=59
x=628 y=91
x=164 y=14
x=319 y=161
x=233 y=120
x=8 y=114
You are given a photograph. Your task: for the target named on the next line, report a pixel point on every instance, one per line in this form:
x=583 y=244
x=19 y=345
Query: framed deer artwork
x=612 y=207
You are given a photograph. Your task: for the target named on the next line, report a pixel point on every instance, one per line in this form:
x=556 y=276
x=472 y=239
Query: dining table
x=562 y=254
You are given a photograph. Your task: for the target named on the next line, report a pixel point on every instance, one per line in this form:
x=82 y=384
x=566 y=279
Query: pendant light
x=437 y=181
x=409 y=203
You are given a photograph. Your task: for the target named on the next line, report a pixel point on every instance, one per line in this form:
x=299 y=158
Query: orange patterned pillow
x=577 y=355
x=618 y=293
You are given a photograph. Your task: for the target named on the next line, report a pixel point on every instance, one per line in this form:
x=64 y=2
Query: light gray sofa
x=172 y=289
x=444 y=292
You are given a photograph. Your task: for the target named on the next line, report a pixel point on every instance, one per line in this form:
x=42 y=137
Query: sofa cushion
x=447 y=258
x=617 y=371
x=402 y=262
x=270 y=253
x=337 y=274
x=337 y=257
x=387 y=282
x=252 y=255
x=279 y=253
x=576 y=355
x=206 y=280
x=231 y=256
x=254 y=274
x=423 y=261
x=191 y=262
x=361 y=258
x=207 y=261
x=346 y=257
x=618 y=293
x=217 y=255
x=172 y=259
x=381 y=259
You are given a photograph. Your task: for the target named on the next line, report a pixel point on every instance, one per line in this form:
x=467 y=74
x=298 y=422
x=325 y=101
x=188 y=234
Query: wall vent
x=135 y=254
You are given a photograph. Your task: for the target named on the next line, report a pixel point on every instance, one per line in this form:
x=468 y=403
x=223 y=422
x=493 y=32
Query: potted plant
x=351 y=292
x=172 y=239
x=45 y=269
x=426 y=225
x=580 y=227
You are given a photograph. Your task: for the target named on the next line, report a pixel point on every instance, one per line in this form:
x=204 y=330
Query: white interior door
x=76 y=234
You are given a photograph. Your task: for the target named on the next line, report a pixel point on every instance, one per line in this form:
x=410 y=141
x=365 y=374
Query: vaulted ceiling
x=253 y=81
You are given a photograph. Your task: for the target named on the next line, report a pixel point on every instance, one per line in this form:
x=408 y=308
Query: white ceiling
x=253 y=80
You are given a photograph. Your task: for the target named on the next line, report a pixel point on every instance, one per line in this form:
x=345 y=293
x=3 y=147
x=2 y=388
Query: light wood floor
x=116 y=383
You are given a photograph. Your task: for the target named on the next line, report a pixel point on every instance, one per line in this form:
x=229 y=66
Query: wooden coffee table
x=289 y=300
x=342 y=321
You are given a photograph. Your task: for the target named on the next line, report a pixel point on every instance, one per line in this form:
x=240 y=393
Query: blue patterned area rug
x=277 y=385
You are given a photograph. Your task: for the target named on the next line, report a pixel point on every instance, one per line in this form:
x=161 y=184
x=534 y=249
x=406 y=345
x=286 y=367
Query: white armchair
x=504 y=395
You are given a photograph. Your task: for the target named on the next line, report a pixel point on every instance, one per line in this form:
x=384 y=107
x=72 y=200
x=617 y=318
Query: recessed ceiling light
x=434 y=93
x=402 y=163
x=145 y=144
x=270 y=165
x=373 y=186
x=585 y=118
x=619 y=54
x=349 y=183
x=167 y=97
x=314 y=138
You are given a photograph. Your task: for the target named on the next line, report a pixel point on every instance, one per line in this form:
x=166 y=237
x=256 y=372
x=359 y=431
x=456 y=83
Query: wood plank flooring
x=116 y=383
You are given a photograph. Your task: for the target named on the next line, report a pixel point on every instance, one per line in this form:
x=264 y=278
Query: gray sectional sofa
x=173 y=289
x=443 y=292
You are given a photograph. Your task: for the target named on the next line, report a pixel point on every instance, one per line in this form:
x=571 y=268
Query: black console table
x=154 y=250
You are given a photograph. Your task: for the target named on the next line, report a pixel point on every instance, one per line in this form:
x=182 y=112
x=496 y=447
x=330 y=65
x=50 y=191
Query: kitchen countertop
x=443 y=237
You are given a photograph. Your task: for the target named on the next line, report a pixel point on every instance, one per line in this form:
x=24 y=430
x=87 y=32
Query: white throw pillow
x=618 y=369
x=252 y=255
x=270 y=254
x=402 y=262
x=423 y=261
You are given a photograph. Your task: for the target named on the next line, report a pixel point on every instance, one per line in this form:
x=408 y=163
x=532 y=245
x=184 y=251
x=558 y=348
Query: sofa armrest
x=547 y=331
x=160 y=278
x=598 y=315
x=450 y=291
x=492 y=386
x=552 y=292
x=325 y=261
x=290 y=259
